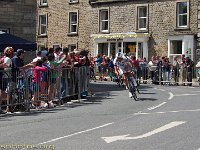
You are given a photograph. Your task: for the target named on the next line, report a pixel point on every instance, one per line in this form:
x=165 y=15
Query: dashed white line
x=70 y=135
x=175 y=111
x=154 y=107
x=186 y=94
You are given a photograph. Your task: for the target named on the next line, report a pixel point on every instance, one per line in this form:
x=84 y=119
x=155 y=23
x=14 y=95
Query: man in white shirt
x=5 y=81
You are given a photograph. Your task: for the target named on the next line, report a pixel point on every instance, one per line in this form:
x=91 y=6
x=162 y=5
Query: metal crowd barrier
x=177 y=76
x=19 y=90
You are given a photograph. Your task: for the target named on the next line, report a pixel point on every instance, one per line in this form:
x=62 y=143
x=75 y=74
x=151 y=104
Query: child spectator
x=36 y=82
x=53 y=75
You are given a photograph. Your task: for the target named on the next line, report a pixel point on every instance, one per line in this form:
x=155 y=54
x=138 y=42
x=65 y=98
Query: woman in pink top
x=36 y=82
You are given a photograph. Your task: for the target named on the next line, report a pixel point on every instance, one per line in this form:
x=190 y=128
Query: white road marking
x=171 y=96
x=191 y=87
x=175 y=111
x=88 y=130
x=160 y=89
x=186 y=94
x=138 y=113
x=125 y=137
x=154 y=107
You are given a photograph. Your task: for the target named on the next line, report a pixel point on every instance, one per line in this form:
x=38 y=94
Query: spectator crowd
x=44 y=71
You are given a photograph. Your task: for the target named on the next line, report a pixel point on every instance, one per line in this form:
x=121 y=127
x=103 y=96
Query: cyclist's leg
x=125 y=80
x=132 y=87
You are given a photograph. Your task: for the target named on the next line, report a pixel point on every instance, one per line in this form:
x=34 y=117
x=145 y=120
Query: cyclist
x=123 y=67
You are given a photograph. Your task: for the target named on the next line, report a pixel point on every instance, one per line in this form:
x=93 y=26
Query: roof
x=7 y=39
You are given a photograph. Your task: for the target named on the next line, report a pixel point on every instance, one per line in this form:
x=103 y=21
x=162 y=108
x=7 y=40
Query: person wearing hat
x=17 y=60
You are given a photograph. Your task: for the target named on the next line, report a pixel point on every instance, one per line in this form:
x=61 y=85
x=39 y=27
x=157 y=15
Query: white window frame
x=73 y=23
x=43 y=3
x=100 y=20
x=187 y=44
x=40 y=25
x=138 y=17
x=178 y=15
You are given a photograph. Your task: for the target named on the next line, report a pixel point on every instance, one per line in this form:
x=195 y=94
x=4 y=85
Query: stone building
x=18 y=17
x=63 y=23
x=143 y=28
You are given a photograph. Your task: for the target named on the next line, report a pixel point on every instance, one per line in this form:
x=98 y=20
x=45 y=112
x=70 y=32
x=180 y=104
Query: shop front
x=129 y=43
x=179 y=45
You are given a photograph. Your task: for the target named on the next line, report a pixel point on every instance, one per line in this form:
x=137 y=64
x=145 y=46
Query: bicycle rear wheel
x=134 y=96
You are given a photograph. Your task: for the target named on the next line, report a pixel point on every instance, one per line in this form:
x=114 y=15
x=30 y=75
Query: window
x=73 y=22
x=142 y=18
x=41 y=47
x=176 y=47
x=42 y=25
x=104 y=20
x=182 y=14
x=182 y=44
x=56 y=46
x=43 y=2
x=103 y=48
x=73 y=1
x=72 y=47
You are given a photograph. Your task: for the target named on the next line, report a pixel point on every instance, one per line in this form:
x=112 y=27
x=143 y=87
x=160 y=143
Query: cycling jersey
x=123 y=65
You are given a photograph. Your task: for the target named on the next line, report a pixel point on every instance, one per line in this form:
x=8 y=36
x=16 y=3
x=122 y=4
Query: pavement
x=164 y=118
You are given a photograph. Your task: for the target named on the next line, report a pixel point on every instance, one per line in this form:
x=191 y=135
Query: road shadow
x=101 y=91
x=147 y=99
x=146 y=93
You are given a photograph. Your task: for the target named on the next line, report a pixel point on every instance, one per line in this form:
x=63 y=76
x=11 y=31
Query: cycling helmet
x=119 y=55
x=8 y=50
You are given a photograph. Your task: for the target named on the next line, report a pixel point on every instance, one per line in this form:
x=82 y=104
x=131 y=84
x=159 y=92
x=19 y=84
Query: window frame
x=41 y=3
x=178 y=15
x=138 y=18
x=41 y=47
x=70 y=47
x=40 y=25
x=70 y=24
x=100 y=21
x=56 y=45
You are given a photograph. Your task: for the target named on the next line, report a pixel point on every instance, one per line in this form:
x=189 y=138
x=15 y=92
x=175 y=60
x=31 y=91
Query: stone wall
x=19 y=17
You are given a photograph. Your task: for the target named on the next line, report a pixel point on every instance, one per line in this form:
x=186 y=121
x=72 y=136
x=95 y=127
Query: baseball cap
x=20 y=51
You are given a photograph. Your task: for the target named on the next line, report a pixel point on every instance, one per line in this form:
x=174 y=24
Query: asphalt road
x=164 y=118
